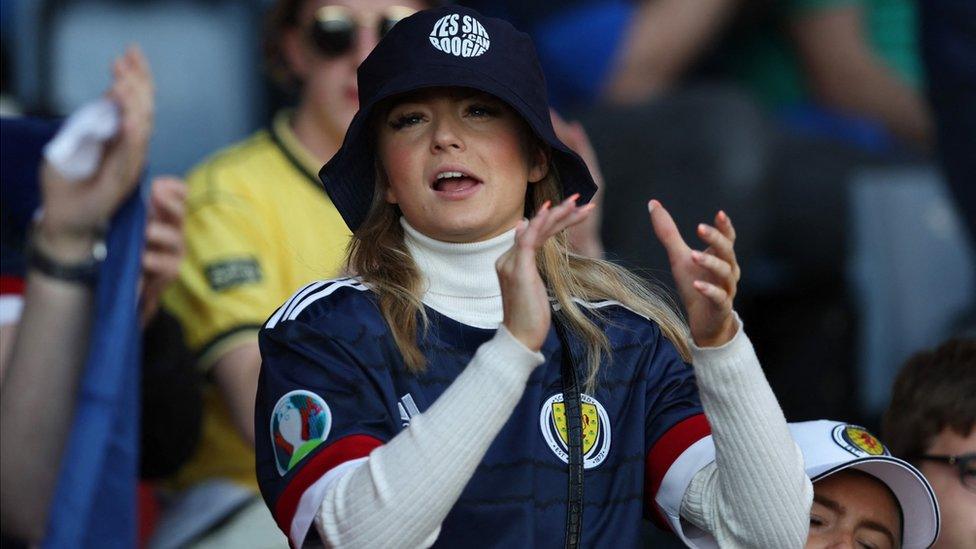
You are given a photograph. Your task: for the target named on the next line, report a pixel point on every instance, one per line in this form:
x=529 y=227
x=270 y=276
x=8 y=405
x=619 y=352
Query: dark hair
x=282 y=16
x=935 y=390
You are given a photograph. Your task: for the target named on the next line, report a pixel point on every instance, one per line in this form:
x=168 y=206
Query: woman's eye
x=480 y=110
x=406 y=119
x=816 y=521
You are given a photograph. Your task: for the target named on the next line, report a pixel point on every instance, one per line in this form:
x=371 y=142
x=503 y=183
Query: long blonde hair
x=377 y=253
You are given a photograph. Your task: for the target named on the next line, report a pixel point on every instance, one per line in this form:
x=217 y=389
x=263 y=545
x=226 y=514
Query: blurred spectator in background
x=248 y=243
x=768 y=110
x=48 y=300
x=853 y=58
x=617 y=66
x=931 y=422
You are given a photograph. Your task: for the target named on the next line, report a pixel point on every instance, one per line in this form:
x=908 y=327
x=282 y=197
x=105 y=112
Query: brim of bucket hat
x=349 y=177
x=920 y=508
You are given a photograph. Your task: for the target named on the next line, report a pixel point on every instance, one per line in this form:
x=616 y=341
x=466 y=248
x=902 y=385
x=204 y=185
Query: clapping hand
x=524 y=299
x=706 y=280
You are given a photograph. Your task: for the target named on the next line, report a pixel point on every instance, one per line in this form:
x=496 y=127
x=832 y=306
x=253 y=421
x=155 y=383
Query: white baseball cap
x=832 y=446
x=827 y=447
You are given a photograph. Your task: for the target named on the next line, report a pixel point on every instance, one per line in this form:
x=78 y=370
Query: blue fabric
x=23 y=139
x=816 y=121
x=95 y=501
x=577 y=49
x=335 y=359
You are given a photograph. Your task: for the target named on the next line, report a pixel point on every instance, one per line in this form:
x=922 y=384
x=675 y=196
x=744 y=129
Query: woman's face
x=458 y=163
x=853 y=509
x=329 y=88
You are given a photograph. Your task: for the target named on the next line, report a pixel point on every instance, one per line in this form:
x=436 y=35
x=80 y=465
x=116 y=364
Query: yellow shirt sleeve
x=228 y=284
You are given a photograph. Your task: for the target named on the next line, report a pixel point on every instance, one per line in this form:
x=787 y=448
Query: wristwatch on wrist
x=84 y=271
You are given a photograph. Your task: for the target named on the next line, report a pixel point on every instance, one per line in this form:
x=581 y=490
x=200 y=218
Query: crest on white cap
x=858 y=441
x=460 y=36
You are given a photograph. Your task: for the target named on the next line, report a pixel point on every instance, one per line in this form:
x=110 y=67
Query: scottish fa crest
x=596 y=429
x=858 y=441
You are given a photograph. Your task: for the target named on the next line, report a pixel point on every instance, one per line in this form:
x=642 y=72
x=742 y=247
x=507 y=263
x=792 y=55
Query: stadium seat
x=204 y=55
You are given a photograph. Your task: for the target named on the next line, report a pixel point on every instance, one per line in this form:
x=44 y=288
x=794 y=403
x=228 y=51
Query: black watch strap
x=83 y=272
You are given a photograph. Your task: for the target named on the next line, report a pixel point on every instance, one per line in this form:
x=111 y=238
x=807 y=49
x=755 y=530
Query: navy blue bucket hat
x=448 y=46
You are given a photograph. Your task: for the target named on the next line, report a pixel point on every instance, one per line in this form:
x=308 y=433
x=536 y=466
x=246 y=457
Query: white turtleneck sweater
x=759 y=496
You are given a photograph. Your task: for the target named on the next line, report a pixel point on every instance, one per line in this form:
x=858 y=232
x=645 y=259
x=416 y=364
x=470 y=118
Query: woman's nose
x=446 y=136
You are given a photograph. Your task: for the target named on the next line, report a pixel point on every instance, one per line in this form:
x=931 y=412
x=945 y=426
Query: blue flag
x=94 y=504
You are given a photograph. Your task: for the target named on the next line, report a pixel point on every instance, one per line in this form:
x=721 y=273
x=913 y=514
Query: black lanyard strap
x=574 y=427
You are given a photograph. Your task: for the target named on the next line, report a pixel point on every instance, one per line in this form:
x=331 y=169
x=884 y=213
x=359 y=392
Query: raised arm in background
x=45 y=360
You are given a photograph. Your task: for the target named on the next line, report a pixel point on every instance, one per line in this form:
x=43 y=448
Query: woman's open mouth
x=455 y=184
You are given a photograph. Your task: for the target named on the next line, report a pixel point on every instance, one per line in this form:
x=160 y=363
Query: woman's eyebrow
x=878 y=527
x=829 y=503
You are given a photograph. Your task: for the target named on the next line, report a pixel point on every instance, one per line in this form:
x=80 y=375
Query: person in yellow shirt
x=248 y=213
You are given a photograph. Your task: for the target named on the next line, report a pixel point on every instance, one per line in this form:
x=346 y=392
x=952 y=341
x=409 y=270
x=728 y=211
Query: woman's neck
x=460 y=279
x=312 y=135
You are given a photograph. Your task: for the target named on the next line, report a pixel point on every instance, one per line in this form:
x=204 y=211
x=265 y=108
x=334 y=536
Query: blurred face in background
x=956 y=492
x=331 y=40
x=856 y=510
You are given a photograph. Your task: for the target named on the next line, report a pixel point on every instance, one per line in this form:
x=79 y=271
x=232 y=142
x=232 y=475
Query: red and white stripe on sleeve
x=671 y=463
x=301 y=499
x=11 y=299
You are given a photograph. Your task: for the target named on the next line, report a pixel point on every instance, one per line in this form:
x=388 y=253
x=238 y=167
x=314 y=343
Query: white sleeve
x=400 y=494
x=745 y=485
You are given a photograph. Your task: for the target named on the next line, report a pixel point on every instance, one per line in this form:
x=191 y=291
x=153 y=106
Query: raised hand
x=524 y=299
x=584 y=238
x=75 y=211
x=706 y=280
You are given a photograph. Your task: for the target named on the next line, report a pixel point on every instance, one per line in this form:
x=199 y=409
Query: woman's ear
x=295 y=53
x=539 y=168
x=383 y=184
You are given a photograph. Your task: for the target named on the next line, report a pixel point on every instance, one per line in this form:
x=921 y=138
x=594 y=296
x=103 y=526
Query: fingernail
x=573 y=197
x=650 y=206
x=546 y=204
x=702 y=228
x=696 y=255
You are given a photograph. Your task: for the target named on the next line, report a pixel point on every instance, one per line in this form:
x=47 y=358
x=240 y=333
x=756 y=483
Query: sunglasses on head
x=333 y=32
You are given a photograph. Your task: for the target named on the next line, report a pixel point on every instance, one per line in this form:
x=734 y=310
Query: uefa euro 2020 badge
x=858 y=441
x=596 y=429
x=300 y=422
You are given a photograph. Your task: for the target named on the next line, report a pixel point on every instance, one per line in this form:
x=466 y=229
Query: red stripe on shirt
x=11 y=285
x=664 y=453
x=343 y=450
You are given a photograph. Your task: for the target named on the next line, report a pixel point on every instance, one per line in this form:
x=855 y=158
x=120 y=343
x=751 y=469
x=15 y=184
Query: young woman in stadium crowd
x=423 y=399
